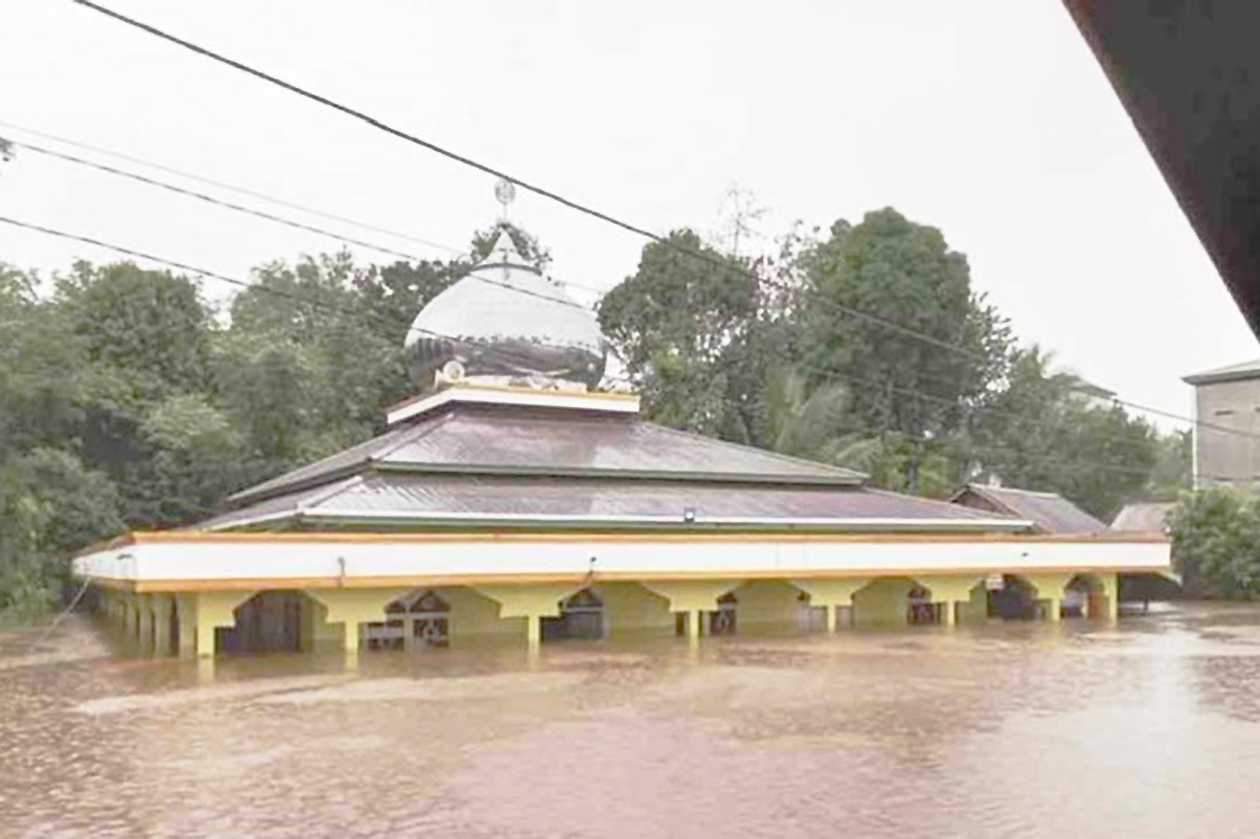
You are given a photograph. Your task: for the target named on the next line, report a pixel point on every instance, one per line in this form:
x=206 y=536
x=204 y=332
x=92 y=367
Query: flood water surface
x=1146 y=728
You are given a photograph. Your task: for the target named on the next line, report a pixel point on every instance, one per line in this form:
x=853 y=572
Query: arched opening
x=419 y=621
x=1015 y=599
x=581 y=616
x=724 y=619
x=920 y=610
x=1085 y=596
x=270 y=621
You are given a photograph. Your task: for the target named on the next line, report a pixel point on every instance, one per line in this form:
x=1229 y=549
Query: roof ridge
x=983 y=514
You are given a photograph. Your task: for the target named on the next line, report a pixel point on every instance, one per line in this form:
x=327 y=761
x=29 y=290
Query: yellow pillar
x=214 y=609
x=948 y=590
x=160 y=623
x=693 y=597
x=831 y=594
x=532 y=602
x=1111 y=588
x=352 y=607
x=1050 y=588
x=186 y=613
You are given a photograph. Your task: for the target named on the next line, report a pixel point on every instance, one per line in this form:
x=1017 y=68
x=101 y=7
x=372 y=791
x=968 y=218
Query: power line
x=538 y=190
x=201 y=196
x=498 y=173
x=253 y=193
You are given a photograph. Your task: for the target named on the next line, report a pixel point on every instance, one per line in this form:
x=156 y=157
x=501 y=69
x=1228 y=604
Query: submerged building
x=510 y=499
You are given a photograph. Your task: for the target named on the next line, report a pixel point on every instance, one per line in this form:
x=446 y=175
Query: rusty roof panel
x=560 y=441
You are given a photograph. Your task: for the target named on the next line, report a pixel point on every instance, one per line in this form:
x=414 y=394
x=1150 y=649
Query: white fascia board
x=505 y=396
x=647 y=558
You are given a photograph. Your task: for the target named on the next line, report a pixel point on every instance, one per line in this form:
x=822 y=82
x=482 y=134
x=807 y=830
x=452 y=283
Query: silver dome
x=506 y=322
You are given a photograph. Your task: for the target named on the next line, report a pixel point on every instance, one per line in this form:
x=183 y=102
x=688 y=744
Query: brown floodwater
x=1146 y=728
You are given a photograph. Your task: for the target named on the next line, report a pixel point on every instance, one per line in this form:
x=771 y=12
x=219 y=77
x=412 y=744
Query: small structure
x=1048 y=511
x=1143 y=517
x=510 y=499
x=1226 y=438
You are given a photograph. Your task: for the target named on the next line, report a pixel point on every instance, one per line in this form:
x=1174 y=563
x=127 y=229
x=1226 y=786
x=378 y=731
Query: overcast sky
x=989 y=120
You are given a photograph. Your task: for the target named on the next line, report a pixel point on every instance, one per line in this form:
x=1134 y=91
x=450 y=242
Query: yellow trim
x=186 y=537
x=411 y=400
x=474 y=580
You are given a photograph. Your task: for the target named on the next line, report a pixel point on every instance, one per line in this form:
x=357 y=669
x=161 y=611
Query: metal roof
x=1149 y=517
x=401 y=498
x=1242 y=370
x=479 y=440
x=1050 y=511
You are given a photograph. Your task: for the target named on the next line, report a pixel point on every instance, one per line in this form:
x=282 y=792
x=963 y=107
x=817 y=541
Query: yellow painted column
x=1050 y=589
x=1111 y=587
x=693 y=597
x=352 y=607
x=160 y=621
x=214 y=609
x=831 y=594
x=948 y=590
x=186 y=613
x=532 y=602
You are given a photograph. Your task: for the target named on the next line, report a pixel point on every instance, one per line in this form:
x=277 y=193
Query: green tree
x=1038 y=432
x=689 y=332
x=50 y=505
x=1216 y=542
x=897 y=271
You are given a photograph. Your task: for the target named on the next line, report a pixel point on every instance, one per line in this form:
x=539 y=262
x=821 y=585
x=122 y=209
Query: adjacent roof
x=392 y=499
x=1147 y=517
x=1232 y=372
x=478 y=439
x=1051 y=512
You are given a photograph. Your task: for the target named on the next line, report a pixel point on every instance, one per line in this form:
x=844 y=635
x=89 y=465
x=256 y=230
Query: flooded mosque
x=512 y=499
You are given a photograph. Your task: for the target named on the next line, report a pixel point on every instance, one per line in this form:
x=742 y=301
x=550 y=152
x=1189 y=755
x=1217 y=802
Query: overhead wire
x=549 y=194
x=201 y=196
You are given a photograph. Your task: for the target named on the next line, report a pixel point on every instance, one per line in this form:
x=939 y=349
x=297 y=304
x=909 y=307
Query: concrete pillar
x=695 y=598
x=1050 y=588
x=532 y=602
x=352 y=607
x=947 y=613
x=1111 y=587
x=947 y=590
x=214 y=609
x=186 y=613
x=831 y=594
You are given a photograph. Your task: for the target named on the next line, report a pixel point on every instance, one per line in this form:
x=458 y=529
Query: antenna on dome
x=505 y=194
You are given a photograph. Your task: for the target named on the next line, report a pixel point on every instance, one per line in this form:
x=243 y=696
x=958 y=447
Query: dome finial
x=504 y=193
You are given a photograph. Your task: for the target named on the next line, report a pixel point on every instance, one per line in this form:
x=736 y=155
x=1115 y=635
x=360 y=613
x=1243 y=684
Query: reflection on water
x=1148 y=728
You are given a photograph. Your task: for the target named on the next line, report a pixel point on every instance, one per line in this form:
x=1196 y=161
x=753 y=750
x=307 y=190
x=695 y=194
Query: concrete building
x=510 y=500
x=1227 y=430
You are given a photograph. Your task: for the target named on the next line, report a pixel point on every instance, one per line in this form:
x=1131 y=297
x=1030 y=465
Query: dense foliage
x=796 y=354
x=1216 y=542
x=128 y=401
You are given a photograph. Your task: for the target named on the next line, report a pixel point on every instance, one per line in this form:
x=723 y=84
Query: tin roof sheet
x=1050 y=511
x=401 y=495
x=480 y=439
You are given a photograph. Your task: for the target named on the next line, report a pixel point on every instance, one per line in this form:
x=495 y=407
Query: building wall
x=630 y=608
x=474 y=616
x=882 y=603
x=768 y=603
x=1222 y=457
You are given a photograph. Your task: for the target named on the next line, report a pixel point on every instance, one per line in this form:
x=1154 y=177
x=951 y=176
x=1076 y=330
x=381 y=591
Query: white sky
x=990 y=120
